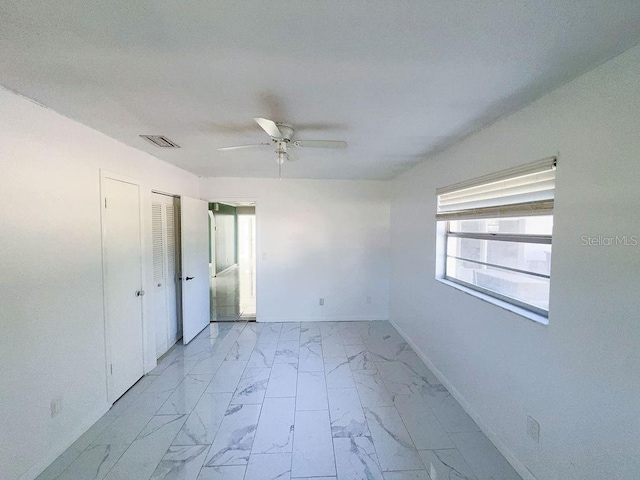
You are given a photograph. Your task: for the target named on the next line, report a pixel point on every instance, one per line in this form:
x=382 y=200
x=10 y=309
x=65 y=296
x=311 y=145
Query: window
x=498 y=234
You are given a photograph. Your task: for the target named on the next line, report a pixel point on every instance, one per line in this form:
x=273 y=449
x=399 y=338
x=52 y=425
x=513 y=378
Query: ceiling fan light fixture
x=282 y=153
x=282 y=135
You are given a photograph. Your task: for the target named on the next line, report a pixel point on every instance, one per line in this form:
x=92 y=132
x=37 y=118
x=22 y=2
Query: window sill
x=534 y=317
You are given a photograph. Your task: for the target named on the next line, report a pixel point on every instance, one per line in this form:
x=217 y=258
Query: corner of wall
x=64 y=443
x=522 y=470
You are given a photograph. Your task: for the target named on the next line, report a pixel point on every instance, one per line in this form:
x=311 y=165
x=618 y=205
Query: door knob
x=139 y=293
x=189 y=278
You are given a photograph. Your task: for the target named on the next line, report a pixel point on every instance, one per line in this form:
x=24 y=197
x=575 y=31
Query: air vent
x=160 y=141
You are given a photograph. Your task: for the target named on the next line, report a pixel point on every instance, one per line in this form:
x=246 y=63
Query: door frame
x=212 y=243
x=104 y=175
x=258 y=258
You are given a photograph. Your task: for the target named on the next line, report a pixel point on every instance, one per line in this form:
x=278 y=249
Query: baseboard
x=347 y=318
x=45 y=460
x=519 y=467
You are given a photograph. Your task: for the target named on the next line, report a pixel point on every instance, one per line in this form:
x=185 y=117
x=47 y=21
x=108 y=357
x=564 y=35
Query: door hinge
x=112 y=369
x=105 y=202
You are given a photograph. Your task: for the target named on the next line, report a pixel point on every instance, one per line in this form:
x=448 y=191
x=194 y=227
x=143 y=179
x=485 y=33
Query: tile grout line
x=178 y=432
x=263 y=399
x=362 y=408
x=257 y=423
x=295 y=403
x=213 y=439
x=333 y=446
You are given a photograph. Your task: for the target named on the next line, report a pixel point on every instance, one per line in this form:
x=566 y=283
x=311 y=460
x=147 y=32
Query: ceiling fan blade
x=320 y=144
x=269 y=126
x=238 y=147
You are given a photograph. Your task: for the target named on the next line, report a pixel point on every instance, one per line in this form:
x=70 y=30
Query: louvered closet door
x=165 y=222
x=159 y=291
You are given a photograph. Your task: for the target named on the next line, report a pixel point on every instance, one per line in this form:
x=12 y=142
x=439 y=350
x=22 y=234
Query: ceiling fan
x=282 y=137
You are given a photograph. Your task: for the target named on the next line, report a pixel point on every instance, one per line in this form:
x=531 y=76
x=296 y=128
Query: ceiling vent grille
x=160 y=141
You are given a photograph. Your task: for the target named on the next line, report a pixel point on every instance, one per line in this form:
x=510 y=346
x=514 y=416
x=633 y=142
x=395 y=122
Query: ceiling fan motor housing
x=286 y=131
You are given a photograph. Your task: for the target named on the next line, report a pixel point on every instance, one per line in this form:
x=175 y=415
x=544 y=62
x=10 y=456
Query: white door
x=173 y=270
x=158 y=304
x=164 y=298
x=123 y=284
x=195 y=267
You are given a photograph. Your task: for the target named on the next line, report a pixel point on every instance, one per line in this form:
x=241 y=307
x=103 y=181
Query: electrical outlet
x=321 y=302
x=533 y=429
x=56 y=407
x=369 y=300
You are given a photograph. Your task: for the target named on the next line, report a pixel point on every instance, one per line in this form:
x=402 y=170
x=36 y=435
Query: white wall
x=316 y=238
x=52 y=326
x=579 y=377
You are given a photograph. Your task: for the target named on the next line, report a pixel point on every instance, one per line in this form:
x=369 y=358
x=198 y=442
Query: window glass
x=530 y=257
x=528 y=289
x=481 y=254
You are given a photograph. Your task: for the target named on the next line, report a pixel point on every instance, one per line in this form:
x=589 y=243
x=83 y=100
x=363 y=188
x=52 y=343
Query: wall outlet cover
x=56 y=407
x=533 y=429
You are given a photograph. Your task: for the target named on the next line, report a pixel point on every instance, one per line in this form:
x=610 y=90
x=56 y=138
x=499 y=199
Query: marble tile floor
x=254 y=401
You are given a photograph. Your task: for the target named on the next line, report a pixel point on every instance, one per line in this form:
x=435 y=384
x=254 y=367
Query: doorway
x=233 y=261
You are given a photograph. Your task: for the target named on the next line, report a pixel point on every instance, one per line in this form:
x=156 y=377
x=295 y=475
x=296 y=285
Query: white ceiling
x=396 y=79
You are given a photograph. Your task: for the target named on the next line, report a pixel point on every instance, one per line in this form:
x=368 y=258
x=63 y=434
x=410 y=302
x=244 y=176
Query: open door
x=195 y=267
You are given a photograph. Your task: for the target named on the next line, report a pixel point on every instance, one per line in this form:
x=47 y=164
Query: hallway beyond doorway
x=233 y=293
x=232 y=261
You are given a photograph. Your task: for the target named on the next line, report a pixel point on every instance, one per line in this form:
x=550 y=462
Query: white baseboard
x=347 y=318
x=519 y=467
x=47 y=459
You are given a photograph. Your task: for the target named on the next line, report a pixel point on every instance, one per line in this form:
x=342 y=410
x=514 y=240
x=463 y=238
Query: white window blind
x=520 y=191
x=158 y=241
x=171 y=239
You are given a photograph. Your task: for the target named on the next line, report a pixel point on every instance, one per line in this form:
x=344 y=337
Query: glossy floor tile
x=395 y=449
x=313 y=445
x=290 y=401
x=276 y=425
x=356 y=458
